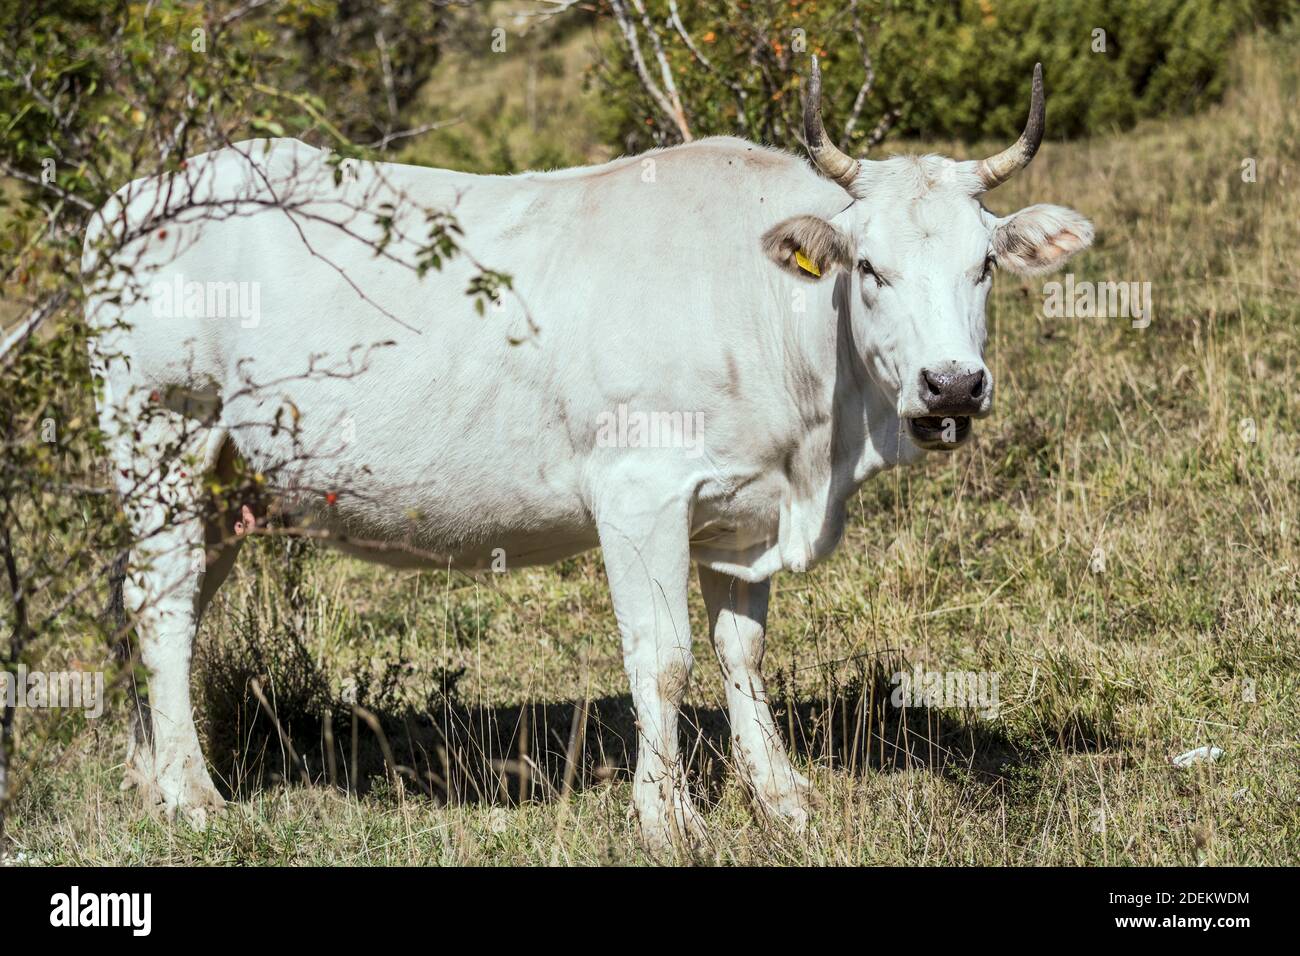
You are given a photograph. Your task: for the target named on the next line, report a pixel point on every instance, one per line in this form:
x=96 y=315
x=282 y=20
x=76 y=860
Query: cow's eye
x=988 y=269
x=869 y=272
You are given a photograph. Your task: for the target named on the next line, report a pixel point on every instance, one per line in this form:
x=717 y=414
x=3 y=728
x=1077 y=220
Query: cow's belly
x=493 y=519
x=725 y=540
x=433 y=534
x=505 y=554
x=511 y=515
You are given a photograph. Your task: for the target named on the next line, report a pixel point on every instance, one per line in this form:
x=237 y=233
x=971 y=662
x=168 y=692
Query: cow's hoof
x=786 y=798
x=198 y=817
x=791 y=811
x=196 y=806
x=189 y=796
x=666 y=828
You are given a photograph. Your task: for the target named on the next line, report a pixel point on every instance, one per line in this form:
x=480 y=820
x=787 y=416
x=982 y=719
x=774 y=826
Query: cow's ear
x=1039 y=239
x=808 y=247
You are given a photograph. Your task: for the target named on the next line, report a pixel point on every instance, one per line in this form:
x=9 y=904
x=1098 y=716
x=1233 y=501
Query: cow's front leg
x=647 y=558
x=737 y=621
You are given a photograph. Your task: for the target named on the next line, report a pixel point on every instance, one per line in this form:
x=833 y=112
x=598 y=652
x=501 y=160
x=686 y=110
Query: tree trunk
x=16 y=641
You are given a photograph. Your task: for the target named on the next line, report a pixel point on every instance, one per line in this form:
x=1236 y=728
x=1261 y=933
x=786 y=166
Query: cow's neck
x=875 y=440
x=848 y=427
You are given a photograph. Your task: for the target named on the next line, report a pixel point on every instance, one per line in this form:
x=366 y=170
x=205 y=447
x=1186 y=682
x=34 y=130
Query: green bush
x=958 y=71
x=942 y=69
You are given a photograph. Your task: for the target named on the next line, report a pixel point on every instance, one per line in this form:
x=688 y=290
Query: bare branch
x=28 y=326
x=381 y=144
x=868 y=82
x=390 y=89
x=51 y=186
x=541 y=16
x=666 y=71
x=675 y=18
x=882 y=128
x=642 y=71
x=241 y=11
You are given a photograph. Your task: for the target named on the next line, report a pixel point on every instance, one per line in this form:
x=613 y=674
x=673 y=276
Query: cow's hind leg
x=644 y=541
x=160 y=479
x=737 y=622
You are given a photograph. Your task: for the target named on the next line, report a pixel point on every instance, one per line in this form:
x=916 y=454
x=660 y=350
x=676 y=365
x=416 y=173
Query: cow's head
x=917 y=249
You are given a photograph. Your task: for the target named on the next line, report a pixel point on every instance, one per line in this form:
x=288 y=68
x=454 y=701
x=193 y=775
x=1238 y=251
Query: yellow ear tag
x=806 y=264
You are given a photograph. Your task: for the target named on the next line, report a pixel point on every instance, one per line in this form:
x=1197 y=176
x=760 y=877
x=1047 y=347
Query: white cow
x=807 y=330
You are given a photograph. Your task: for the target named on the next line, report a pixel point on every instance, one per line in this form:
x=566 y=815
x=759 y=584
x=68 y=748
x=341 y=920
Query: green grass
x=1104 y=437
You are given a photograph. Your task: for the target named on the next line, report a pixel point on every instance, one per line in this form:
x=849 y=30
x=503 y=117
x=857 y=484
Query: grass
x=1112 y=546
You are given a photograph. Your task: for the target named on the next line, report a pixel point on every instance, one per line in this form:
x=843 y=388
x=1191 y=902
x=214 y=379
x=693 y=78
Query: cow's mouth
x=939 y=432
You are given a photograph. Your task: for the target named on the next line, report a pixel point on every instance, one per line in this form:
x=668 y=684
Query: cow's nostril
x=960 y=392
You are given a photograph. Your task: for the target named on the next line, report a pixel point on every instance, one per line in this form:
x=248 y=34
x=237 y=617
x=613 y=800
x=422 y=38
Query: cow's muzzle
x=951 y=393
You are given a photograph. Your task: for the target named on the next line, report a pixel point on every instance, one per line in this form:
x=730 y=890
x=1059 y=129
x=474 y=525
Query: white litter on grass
x=1197 y=756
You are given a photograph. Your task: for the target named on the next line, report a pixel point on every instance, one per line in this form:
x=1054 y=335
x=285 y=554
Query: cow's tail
x=114 y=616
x=140 y=722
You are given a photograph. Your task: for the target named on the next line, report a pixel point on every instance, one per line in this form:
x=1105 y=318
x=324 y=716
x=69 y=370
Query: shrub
x=955 y=69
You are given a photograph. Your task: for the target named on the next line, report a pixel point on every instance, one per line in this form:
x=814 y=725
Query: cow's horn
x=829 y=158
x=999 y=168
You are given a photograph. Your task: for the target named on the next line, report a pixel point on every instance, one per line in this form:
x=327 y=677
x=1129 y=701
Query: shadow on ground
x=454 y=751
